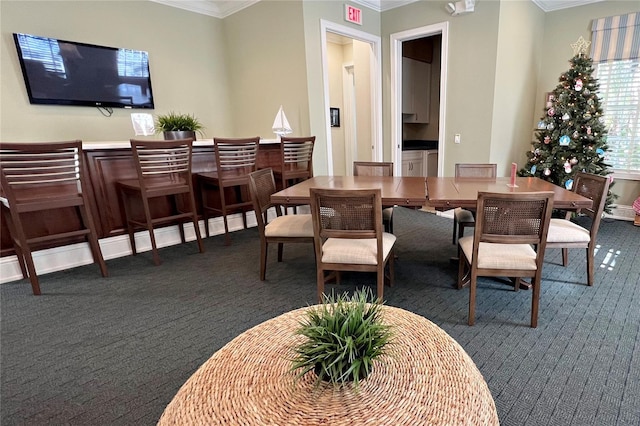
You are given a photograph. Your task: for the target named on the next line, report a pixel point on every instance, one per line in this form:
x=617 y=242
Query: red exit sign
x=353 y=14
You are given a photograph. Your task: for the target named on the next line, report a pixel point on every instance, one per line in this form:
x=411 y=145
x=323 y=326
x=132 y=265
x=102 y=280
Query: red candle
x=514 y=167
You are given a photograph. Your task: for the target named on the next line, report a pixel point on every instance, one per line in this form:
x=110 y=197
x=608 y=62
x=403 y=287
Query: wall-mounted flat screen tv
x=61 y=72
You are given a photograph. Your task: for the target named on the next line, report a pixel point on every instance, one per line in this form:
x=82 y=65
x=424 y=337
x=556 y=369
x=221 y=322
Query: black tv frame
x=95 y=99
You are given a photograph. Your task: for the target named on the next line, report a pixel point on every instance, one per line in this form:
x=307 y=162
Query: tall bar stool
x=235 y=159
x=164 y=171
x=296 y=164
x=40 y=177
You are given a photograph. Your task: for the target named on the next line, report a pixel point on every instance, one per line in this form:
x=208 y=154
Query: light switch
x=456 y=138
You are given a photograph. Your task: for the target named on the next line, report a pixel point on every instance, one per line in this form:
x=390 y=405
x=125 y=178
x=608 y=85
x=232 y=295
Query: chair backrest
x=297 y=153
x=470 y=170
x=261 y=185
x=596 y=188
x=372 y=168
x=346 y=214
x=236 y=155
x=513 y=218
x=167 y=161
x=30 y=170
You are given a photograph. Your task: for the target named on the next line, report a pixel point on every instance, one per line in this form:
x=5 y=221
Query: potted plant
x=178 y=126
x=343 y=337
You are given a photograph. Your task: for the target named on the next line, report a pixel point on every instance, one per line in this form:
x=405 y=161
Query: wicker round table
x=426 y=378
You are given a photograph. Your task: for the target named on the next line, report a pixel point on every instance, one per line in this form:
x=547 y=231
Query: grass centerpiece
x=175 y=122
x=343 y=337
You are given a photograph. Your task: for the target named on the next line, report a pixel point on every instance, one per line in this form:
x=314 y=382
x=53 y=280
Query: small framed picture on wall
x=334 y=114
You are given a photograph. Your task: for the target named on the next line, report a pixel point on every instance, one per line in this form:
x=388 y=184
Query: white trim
x=376 y=86
x=348 y=101
x=621 y=213
x=396 y=90
x=74 y=255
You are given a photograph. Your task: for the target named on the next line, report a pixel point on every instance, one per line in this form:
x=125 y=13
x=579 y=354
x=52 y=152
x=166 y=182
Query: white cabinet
x=420 y=163
x=416 y=82
x=413 y=163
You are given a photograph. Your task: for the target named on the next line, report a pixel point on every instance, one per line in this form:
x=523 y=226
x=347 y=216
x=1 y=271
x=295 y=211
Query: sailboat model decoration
x=281 y=125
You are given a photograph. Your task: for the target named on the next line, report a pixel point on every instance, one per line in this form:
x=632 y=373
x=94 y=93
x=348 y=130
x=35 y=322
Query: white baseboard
x=73 y=255
x=622 y=213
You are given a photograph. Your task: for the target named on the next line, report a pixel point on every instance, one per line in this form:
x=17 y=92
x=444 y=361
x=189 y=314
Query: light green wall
x=562 y=28
x=186 y=54
x=517 y=63
x=314 y=12
x=266 y=65
x=471 y=74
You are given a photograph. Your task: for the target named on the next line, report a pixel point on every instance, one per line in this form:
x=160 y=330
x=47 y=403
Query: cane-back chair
x=509 y=241
x=373 y=168
x=463 y=218
x=297 y=228
x=348 y=234
x=565 y=234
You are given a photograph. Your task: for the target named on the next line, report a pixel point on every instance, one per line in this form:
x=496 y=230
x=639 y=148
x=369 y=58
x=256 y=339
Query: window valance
x=616 y=38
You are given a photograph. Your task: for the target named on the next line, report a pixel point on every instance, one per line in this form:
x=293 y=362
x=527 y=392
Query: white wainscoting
x=73 y=255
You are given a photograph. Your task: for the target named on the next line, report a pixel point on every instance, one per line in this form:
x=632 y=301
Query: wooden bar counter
x=108 y=162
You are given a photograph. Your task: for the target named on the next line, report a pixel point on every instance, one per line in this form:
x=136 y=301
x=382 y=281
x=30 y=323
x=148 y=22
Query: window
x=615 y=51
x=620 y=93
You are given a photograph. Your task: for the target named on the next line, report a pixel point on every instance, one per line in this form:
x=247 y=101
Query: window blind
x=615 y=50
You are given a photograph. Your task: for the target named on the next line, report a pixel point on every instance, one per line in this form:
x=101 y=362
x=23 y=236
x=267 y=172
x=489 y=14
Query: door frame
x=396 y=90
x=376 y=84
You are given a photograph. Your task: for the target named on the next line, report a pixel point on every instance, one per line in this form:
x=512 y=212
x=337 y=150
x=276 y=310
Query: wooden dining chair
x=297 y=228
x=36 y=179
x=235 y=159
x=348 y=235
x=509 y=241
x=164 y=172
x=463 y=218
x=377 y=168
x=565 y=234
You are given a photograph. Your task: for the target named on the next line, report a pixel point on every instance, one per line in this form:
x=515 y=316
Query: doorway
x=397 y=72
x=353 y=87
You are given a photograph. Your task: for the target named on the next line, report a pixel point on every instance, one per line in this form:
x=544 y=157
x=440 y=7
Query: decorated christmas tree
x=571 y=136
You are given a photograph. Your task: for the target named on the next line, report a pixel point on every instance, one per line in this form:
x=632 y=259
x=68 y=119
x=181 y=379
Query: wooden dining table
x=395 y=191
x=445 y=193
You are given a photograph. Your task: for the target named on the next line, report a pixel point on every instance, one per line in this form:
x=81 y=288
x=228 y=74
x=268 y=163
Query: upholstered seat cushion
x=360 y=251
x=387 y=213
x=501 y=256
x=565 y=231
x=463 y=216
x=293 y=225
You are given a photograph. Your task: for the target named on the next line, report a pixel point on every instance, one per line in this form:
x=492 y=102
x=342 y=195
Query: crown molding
x=383 y=5
x=223 y=8
x=217 y=9
x=552 y=5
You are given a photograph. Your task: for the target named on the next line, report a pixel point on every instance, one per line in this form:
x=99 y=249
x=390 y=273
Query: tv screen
x=61 y=72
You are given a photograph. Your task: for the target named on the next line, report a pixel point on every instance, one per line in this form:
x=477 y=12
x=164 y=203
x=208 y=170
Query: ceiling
x=223 y=8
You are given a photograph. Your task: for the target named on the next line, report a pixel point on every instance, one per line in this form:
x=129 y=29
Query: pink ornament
x=588 y=130
x=550 y=112
x=547 y=139
x=574 y=160
x=567 y=167
x=547 y=172
x=578 y=86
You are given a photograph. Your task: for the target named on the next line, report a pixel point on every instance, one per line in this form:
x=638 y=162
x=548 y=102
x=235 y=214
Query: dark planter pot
x=179 y=134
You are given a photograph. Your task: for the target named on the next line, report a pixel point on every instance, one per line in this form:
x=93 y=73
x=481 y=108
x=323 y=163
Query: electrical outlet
x=456 y=138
